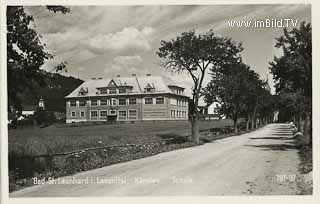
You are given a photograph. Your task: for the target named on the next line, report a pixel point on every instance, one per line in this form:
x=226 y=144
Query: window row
x=178 y=114
x=104 y=102
x=181 y=102
x=130 y=114
x=150 y=100
x=116 y=102
x=177 y=91
x=112 y=91
x=178 y=102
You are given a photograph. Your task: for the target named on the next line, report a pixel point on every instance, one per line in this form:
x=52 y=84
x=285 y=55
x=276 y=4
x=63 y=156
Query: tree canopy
x=195 y=54
x=292 y=73
x=25 y=52
x=240 y=92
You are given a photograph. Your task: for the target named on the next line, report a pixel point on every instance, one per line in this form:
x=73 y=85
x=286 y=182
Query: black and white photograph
x=159 y=100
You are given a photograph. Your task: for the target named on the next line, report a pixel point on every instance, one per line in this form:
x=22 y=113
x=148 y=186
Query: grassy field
x=57 y=138
x=29 y=141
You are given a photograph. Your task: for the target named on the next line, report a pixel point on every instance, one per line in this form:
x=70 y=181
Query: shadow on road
x=282 y=134
x=276 y=147
x=271 y=138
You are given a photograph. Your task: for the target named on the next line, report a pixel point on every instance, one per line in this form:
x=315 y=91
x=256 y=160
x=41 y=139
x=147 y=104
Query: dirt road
x=263 y=162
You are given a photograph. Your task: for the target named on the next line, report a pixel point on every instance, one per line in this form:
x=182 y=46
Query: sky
x=105 y=41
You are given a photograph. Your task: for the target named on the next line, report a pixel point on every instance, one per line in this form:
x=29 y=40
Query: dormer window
x=112 y=91
x=122 y=91
x=103 y=91
x=83 y=91
x=149 y=88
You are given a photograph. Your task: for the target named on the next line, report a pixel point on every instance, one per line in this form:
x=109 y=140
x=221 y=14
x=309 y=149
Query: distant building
x=41 y=103
x=27 y=113
x=127 y=99
x=210 y=112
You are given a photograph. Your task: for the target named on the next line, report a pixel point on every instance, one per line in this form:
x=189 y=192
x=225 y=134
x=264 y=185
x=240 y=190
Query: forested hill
x=54 y=90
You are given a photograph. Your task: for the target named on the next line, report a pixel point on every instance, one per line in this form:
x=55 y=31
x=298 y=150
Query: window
x=132 y=114
x=73 y=114
x=103 y=102
x=132 y=101
x=159 y=100
x=114 y=102
x=94 y=103
x=82 y=114
x=112 y=112
x=173 y=113
x=103 y=114
x=122 y=102
x=148 y=100
x=122 y=91
x=82 y=103
x=103 y=91
x=73 y=103
x=112 y=91
x=149 y=89
x=122 y=115
x=94 y=115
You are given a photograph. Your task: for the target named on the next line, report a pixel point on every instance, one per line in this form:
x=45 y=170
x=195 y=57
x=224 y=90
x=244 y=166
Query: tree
x=266 y=105
x=229 y=86
x=25 y=53
x=292 y=72
x=251 y=100
x=195 y=54
x=241 y=94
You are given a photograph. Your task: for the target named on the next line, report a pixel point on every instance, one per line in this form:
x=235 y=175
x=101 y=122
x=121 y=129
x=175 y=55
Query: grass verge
x=305 y=184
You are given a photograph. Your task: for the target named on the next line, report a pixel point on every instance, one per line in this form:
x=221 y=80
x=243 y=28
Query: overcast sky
x=104 y=41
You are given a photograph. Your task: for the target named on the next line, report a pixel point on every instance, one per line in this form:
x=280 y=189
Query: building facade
x=127 y=99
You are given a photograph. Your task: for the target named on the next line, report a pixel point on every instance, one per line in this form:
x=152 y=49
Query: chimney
x=93 y=78
x=118 y=75
x=148 y=74
x=133 y=75
x=100 y=78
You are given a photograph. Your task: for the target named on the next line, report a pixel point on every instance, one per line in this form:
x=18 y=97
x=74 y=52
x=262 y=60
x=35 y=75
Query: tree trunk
x=307 y=133
x=235 y=125
x=195 y=129
x=252 y=123
x=257 y=122
x=253 y=119
x=247 y=125
x=300 y=127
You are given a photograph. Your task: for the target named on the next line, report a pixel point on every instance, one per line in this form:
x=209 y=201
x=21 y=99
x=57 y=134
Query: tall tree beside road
x=292 y=73
x=241 y=94
x=227 y=86
x=195 y=54
x=25 y=53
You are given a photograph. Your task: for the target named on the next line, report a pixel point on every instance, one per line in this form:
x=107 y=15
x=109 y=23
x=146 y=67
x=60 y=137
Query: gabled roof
x=138 y=83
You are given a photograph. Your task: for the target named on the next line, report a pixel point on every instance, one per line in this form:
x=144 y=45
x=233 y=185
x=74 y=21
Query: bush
x=43 y=117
